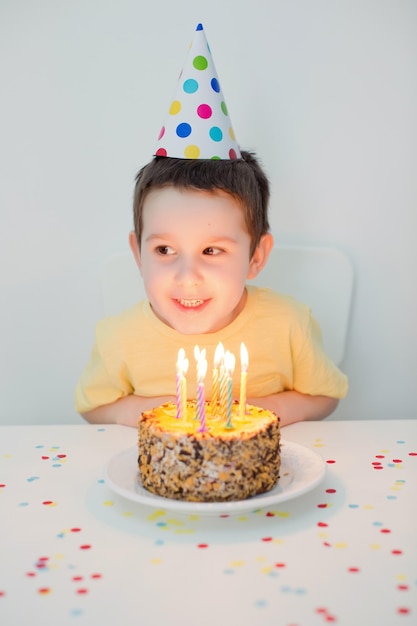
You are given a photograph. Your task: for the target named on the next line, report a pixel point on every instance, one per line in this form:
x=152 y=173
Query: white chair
x=321 y=277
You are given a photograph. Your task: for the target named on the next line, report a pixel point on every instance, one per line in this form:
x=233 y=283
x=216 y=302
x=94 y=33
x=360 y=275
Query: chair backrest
x=321 y=277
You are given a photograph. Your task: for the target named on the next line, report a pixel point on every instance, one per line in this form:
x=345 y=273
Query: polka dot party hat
x=198 y=124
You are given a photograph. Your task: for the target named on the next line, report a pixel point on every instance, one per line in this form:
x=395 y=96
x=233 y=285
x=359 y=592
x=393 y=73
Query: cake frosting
x=176 y=460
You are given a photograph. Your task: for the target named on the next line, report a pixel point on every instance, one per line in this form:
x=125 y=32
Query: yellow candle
x=244 y=362
x=184 y=389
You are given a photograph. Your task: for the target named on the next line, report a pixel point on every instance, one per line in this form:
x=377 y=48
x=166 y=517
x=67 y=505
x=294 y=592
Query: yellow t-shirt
x=136 y=353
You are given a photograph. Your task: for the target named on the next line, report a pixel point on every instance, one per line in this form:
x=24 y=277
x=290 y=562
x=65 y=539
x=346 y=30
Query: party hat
x=198 y=124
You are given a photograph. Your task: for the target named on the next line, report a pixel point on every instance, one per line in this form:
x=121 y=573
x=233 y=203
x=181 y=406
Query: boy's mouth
x=190 y=304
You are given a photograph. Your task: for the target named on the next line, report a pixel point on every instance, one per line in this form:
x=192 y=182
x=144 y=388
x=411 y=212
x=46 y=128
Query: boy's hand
x=292 y=406
x=125 y=411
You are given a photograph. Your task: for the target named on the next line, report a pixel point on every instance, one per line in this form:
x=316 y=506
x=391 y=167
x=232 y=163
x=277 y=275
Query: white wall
x=324 y=90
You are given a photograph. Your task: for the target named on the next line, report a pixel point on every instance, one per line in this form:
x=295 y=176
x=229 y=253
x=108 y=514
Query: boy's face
x=194 y=258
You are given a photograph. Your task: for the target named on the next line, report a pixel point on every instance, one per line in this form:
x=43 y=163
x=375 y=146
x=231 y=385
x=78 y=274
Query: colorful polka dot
x=183 y=130
x=190 y=85
x=204 y=111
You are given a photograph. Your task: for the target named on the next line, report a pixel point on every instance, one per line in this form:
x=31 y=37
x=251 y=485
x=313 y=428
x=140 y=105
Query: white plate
x=301 y=470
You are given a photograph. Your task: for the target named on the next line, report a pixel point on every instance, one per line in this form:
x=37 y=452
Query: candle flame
x=218 y=354
x=244 y=356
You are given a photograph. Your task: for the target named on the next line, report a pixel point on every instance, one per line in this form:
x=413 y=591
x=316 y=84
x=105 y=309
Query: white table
x=72 y=552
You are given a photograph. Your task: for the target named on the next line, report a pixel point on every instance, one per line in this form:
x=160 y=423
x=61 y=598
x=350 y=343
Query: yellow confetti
x=340 y=545
x=155 y=515
x=237 y=563
x=175 y=522
x=375 y=546
x=156 y=561
x=108 y=503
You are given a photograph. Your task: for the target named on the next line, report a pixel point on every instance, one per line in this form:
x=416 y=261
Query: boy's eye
x=211 y=251
x=164 y=250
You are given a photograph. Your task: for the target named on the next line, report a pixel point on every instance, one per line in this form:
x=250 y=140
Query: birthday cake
x=224 y=462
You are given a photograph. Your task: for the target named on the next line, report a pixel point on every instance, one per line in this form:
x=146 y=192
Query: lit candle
x=201 y=374
x=223 y=388
x=218 y=358
x=244 y=361
x=178 y=386
x=229 y=367
x=183 y=403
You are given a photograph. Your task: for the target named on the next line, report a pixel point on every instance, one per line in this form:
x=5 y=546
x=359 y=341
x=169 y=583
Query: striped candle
x=218 y=358
x=244 y=361
x=229 y=366
x=201 y=408
x=178 y=378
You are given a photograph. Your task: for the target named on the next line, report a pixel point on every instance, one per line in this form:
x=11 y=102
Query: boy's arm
x=125 y=411
x=293 y=406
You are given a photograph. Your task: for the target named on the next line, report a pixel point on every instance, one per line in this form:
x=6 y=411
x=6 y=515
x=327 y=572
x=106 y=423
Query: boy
x=201 y=230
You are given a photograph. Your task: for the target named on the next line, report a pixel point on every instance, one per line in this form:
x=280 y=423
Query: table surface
x=74 y=552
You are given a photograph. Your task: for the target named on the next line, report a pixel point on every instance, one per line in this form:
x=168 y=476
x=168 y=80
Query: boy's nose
x=188 y=271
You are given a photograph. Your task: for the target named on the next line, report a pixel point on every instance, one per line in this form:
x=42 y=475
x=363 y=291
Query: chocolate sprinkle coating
x=177 y=461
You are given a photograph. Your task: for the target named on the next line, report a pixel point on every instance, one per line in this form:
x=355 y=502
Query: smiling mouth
x=190 y=304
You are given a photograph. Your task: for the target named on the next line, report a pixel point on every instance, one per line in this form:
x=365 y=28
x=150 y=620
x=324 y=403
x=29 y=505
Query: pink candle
x=201 y=374
x=178 y=379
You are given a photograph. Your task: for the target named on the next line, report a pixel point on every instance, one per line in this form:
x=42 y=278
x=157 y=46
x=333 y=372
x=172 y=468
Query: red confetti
x=330 y=461
x=85 y=546
x=44 y=590
x=403 y=610
x=96 y=576
x=44 y=458
x=280 y=565
x=385 y=530
x=322 y=506
x=378 y=467
x=61 y=456
x=396 y=551
x=82 y=591
x=77 y=578
x=269 y=514
x=397 y=460
x=75 y=530
x=379 y=456
x=376 y=463
x=266 y=538
x=403 y=587
x=2 y=485
x=30 y=574
x=353 y=569
x=330 y=490
x=322 y=524
x=412 y=454
x=202 y=545
x=2 y=593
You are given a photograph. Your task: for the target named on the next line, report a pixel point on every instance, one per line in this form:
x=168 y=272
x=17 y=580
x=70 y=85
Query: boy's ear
x=260 y=256
x=134 y=246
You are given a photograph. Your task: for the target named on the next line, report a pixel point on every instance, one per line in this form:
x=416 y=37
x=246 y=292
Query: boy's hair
x=243 y=179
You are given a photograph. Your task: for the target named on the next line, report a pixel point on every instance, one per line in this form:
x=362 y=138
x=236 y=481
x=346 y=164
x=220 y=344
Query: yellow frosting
x=165 y=417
